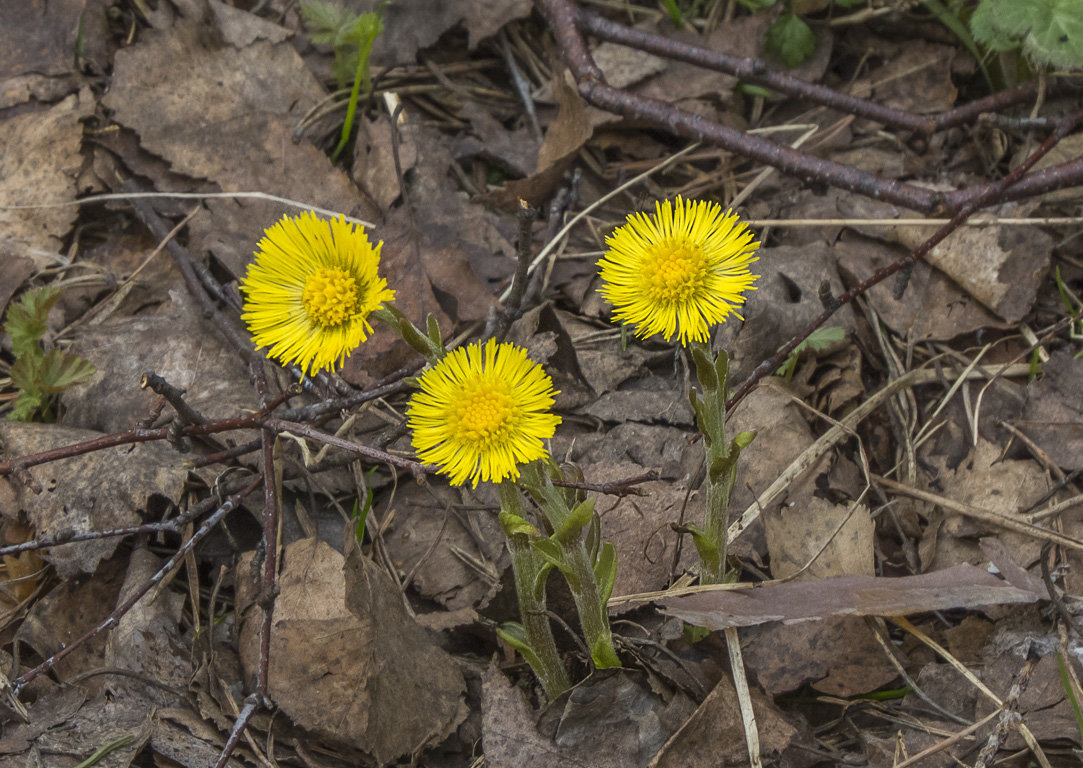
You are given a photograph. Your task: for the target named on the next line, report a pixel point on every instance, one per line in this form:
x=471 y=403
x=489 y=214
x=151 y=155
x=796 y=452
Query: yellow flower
x=481 y=412
x=681 y=271
x=310 y=290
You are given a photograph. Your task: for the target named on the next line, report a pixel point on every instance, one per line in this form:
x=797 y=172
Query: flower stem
x=575 y=562
x=720 y=456
x=526 y=566
x=593 y=616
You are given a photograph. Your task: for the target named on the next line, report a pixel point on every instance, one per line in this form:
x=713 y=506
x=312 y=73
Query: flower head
x=310 y=290
x=680 y=271
x=481 y=412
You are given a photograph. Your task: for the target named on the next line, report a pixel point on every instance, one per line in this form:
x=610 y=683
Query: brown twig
x=565 y=21
x=373 y=454
x=993 y=193
x=208 y=525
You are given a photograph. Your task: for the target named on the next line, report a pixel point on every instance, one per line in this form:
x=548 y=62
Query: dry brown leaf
x=66 y=613
x=228 y=115
x=613 y=719
x=786 y=300
x=91 y=492
x=1053 y=414
x=932 y=306
x=39 y=162
x=146 y=640
x=796 y=534
x=962 y=586
x=438 y=544
x=178 y=344
x=1002 y=486
x=639 y=526
x=714 y=736
x=1002 y=267
x=347 y=662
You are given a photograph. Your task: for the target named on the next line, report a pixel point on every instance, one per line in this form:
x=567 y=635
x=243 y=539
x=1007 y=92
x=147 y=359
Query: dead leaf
x=796 y=534
x=639 y=526
x=570 y=130
x=39 y=162
x=612 y=719
x=786 y=300
x=438 y=543
x=90 y=492
x=714 y=736
x=837 y=655
x=916 y=79
x=347 y=662
x=147 y=641
x=1053 y=414
x=178 y=344
x=1003 y=486
x=249 y=98
x=66 y=613
x=961 y=586
x=1002 y=267
x=36 y=45
x=932 y=306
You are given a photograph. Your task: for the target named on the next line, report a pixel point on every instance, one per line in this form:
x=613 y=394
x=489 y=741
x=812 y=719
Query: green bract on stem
x=721 y=458
x=533 y=638
x=589 y=566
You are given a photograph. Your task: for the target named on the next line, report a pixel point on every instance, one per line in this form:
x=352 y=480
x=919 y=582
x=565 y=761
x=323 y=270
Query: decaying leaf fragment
x=963 y=586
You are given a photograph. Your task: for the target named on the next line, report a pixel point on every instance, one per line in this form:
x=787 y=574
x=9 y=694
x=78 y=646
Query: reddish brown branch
x=566 y=21
x=208 y=525
x=992 y=193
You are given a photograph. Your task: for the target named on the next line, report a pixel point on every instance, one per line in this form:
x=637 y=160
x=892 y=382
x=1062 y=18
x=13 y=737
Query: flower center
x=674 y=270
x=331 y=297
x=485 y=414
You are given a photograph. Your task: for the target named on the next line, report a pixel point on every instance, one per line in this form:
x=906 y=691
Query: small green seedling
x=352 y=37
x=36 y=374
x=818 y=341
x=361 y=513
x=1075 y=328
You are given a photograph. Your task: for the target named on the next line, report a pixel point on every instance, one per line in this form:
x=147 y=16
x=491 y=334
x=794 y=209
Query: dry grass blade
x=943 y=653
x=985 y=516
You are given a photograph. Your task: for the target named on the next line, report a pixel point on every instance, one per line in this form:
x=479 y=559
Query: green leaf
x=25 y=405
x=26 y=319
x=514 y=634
x=540 y=578
x=790 y=39
x=693 y=634
x=819 y=340
x=324 y=20
x=1053 y=29
x=705 y=370
x=575 y=522
x=513 y=524
x=983 y=25
x=848 y=3
x=758 y=4
x=60 y=370
x=605 y=571
x=554 y=556
x=706 y=548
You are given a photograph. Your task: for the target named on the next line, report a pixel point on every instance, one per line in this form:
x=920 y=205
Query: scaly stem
x=576 y=565
x=720 y=456
x=593 y=616
x=526 y=566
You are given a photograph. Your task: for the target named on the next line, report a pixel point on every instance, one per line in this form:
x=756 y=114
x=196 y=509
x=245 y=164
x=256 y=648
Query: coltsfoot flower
x=310 y=290
x=680 y=271
x=481 y=412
